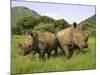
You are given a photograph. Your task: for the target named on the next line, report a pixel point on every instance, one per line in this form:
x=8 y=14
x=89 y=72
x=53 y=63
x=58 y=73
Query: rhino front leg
x=76 y=51
x=62 y=50
x=66 y=51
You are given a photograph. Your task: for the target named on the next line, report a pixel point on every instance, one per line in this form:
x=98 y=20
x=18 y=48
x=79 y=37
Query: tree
x=24 y=24
x=60 y=24
x=46 y=19
x=16 y=29
x=27 y=22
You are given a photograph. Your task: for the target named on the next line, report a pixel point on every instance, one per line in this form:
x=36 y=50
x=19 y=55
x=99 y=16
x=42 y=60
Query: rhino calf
x=27 y=46
x=72 y=38
x=37 y=42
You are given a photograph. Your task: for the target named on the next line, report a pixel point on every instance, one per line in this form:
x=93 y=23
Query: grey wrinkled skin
x=72 y=38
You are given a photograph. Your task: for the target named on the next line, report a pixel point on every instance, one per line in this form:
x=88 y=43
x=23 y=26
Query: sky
x=71 y=13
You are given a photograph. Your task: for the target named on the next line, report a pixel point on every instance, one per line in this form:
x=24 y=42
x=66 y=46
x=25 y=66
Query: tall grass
x=86 y=59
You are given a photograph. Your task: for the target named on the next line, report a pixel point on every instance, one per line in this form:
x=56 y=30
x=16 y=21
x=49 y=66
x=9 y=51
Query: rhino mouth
x=84 y=46
x=23 y=52
x=80 y=47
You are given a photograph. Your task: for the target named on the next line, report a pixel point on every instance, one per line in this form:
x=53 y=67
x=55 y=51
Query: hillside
x=90 y=24
x=24 y=19
x=20 y=12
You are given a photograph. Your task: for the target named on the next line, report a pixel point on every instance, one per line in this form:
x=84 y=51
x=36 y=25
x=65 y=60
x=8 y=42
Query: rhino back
x=64 y=36
x=48 y=40
x=51 y=40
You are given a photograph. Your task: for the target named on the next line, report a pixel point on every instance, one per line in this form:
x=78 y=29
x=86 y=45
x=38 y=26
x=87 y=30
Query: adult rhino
x=38 y=42
x=72 y=38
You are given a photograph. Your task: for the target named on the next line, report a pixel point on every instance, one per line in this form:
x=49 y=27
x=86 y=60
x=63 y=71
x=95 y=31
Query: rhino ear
x=74 y=24
x=35 y=34
x=30 y=33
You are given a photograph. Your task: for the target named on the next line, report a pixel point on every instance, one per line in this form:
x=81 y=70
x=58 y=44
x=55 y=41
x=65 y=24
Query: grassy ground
x=27 y=64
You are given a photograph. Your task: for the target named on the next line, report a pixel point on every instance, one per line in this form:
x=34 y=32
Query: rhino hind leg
x=42 y=54
x=56 y=51
x=49 y=54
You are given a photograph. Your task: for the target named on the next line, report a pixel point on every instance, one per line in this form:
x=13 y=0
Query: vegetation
x=24 y=20
x=90 y=25
x=27 y=64
x=19 y=12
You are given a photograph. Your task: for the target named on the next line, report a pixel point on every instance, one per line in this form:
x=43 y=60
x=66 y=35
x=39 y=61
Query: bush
x=60 y=24
x=44 y=23
x=24 y=24
x=45 y=27
x=89 y=27
x=46 y=19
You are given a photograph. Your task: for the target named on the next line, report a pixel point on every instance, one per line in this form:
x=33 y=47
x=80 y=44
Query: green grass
x=86 y=59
